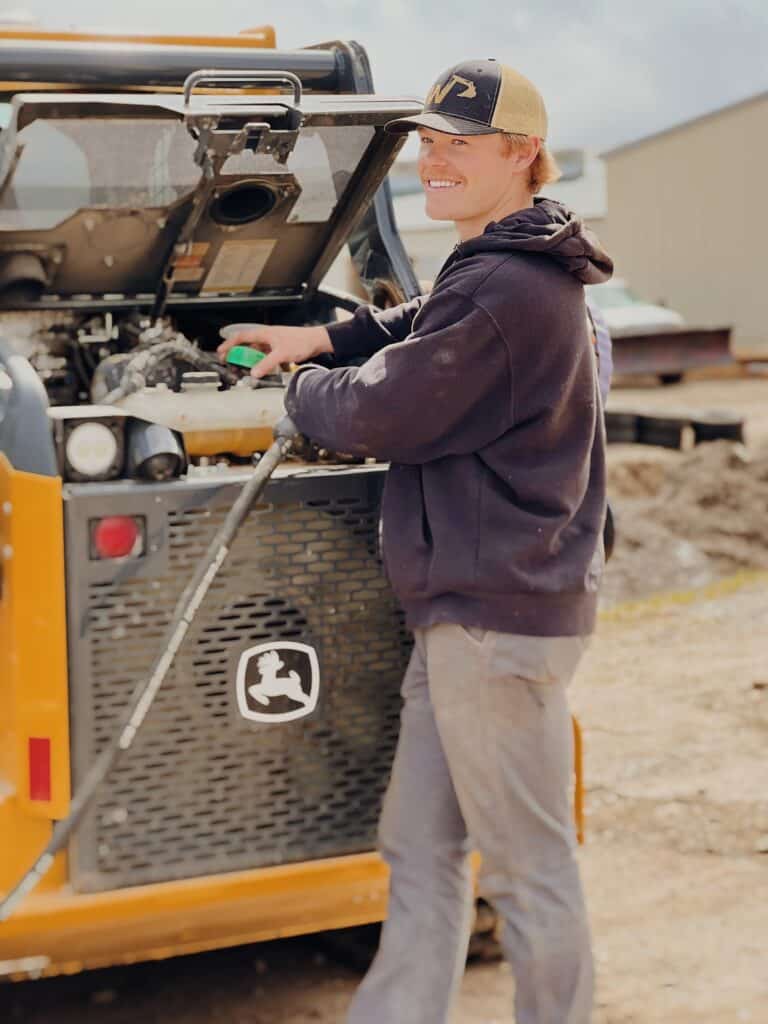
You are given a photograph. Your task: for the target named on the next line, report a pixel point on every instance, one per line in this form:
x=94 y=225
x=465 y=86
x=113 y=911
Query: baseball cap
x=480 y=97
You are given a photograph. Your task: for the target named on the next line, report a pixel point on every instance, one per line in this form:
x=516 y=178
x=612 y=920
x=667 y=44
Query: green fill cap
x=243 y=355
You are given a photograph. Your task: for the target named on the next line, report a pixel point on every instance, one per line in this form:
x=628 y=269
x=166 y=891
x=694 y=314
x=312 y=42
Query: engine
x=84 y=359
x=133 y=397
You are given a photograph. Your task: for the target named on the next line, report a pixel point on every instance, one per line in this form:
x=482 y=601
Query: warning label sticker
x=192 y=255
x=187 y=262
x=238 y=265
x=187 y=273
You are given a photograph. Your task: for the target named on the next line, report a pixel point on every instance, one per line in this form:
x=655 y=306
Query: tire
x=662 y=431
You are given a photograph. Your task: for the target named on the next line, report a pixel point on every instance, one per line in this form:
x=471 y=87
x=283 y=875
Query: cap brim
x=439 y=123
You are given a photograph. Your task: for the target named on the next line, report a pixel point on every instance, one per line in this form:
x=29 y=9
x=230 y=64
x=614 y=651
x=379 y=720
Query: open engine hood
x=122 y=195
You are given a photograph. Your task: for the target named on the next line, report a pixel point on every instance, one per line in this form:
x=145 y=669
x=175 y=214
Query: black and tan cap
x=480 y=97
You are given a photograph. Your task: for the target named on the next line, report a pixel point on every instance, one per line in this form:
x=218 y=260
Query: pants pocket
x=474 y=633
x=538 y=659
x=457 y=662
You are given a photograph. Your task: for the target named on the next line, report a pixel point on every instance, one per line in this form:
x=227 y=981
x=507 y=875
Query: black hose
x=144 y=695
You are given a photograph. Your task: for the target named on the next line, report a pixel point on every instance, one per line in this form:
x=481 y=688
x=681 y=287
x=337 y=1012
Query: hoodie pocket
x=452 y=501
x=405 y=539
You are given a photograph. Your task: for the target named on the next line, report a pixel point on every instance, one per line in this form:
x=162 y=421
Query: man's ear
x=528 y=152
x=523 y=151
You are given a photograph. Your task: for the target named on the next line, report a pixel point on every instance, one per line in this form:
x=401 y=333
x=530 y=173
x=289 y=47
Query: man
x=484 y=398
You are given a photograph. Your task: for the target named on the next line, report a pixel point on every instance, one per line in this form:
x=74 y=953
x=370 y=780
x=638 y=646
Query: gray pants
x=485 y=751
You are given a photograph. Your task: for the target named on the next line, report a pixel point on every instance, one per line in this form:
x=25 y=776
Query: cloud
x=610 y=70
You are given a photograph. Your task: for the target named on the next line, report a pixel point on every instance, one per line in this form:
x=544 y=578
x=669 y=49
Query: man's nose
x=433 y=160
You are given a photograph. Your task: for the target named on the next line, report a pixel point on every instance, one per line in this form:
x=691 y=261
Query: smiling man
x=484 y=398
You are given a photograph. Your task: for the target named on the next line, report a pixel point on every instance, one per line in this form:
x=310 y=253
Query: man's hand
x=281 y=345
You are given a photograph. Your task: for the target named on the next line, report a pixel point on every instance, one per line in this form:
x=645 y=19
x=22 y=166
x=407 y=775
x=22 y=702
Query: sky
x=610 y=70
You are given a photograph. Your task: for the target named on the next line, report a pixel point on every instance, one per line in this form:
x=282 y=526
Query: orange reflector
x=39 y=768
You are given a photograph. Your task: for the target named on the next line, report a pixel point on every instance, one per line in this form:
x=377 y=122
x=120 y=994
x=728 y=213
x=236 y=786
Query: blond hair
x=543 y=170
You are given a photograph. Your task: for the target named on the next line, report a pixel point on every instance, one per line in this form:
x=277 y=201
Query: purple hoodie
x=484 y=397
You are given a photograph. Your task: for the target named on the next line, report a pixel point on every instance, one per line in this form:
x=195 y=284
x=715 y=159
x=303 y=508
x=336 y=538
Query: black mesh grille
x=202 y=790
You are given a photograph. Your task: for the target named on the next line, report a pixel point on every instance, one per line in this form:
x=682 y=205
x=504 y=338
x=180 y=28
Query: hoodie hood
x=550 y=229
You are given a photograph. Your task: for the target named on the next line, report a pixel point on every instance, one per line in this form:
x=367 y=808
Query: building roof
x=710 y=115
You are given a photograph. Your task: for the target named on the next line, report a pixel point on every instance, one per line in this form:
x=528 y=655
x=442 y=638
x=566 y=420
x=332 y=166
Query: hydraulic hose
x=144 y=695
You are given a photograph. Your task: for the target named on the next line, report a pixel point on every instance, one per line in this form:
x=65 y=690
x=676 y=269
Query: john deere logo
x=277 y=682
x=438 y=92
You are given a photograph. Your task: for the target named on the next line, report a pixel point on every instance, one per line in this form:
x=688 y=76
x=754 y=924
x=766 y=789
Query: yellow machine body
x=56 y=930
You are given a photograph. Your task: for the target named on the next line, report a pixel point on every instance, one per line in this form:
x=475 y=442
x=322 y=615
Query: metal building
x=687 y=219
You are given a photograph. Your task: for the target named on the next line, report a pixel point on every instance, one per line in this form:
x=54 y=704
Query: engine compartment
x=125 y=365
x=133 y=227
x=82 y=357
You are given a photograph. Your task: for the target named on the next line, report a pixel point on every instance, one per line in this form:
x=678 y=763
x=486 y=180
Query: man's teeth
x=439 y=183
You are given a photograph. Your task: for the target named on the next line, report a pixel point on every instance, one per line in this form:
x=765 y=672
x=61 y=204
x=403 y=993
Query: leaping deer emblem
x=274 y=685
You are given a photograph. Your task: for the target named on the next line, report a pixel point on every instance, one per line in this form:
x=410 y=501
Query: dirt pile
x=685 y=520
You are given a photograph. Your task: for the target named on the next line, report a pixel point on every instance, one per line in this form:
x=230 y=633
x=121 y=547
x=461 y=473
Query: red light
x=116 y=536
x=39 y=768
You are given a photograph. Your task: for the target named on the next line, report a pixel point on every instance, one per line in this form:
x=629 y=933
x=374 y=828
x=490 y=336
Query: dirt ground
x=673 y=700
